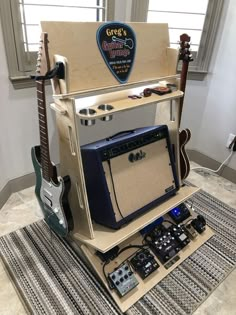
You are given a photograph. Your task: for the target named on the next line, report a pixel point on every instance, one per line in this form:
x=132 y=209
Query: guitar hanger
x=58 y=71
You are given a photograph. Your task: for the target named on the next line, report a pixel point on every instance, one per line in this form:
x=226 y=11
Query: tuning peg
x=39 y=59
x=38 y=65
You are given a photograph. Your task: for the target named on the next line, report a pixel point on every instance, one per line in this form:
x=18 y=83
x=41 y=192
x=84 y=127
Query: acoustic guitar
x=185 y=134
x=51 y=190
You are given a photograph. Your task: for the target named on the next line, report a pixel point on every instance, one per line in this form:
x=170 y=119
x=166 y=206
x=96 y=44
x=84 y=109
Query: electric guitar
x=51 y=190
x=185 y=134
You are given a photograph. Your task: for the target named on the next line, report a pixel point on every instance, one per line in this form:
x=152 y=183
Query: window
x=198 y=18
x=20 y=23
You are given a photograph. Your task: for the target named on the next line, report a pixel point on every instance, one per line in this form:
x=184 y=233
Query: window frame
x=20 y=62
x=200 y=67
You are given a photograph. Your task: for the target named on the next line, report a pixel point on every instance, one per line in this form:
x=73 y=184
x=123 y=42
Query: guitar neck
x=47 y=168
x=186 y=57
x=183 y=79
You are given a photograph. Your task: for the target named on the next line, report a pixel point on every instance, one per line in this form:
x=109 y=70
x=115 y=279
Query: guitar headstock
x=184 y=51
x=43 y=61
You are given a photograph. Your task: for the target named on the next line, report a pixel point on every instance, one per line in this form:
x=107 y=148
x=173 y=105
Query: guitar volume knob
x=55 y=210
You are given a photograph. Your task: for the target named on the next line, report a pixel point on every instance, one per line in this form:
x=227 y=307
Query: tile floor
x=22 y=209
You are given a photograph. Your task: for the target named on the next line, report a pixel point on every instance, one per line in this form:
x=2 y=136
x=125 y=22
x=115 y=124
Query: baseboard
x=5 y=193
x=15 y=185
x=208 y=162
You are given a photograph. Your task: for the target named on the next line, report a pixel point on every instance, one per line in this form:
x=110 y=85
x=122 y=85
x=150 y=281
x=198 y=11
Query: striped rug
x=53 y=280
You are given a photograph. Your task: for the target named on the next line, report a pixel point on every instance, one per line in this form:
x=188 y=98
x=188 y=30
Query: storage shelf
x=105 y=238
x=114 y=88
x=128 y=104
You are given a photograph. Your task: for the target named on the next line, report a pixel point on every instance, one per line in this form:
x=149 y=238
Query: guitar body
x=184 y=137
x=53 y=197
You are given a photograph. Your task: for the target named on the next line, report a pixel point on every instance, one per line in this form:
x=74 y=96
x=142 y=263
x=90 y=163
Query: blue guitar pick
x=117 y=44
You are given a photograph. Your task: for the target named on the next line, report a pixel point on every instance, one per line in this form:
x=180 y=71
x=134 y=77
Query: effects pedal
x=163 y=244
x=179 y=213
x=199 y=224
x=180 y=235
x=123 y=279
x=192 y=234
x=144 y=263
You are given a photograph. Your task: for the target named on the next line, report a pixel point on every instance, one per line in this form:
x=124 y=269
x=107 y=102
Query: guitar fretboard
x=47 y=168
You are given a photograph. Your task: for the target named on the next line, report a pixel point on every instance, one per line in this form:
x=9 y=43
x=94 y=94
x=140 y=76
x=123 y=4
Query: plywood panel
x=76 y=41
x=70 y=164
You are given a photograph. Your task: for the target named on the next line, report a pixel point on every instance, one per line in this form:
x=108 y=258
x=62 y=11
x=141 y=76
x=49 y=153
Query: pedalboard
x=123 y=279
x=164 y=242
x=179 y=213
x=144 y=263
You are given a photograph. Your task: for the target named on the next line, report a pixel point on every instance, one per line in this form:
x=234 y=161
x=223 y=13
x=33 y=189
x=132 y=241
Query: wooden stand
x=89 y=83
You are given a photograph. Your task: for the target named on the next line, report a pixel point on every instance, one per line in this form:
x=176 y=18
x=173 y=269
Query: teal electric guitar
x=51 y=190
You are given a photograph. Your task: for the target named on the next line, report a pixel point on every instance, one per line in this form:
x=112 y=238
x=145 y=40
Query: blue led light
x=175 y=212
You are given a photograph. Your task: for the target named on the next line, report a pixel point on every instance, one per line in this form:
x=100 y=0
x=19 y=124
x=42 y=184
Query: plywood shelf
x=128 y=104
x=105 y=238
x=113 y=88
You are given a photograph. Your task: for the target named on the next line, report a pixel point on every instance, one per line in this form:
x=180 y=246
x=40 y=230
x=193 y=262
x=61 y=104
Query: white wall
x=210 y=106
x=18 y=125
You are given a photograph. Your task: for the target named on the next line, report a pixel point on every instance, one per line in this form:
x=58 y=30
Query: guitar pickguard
x=51 y=196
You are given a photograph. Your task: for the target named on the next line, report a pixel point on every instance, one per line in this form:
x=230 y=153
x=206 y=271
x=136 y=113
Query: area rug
x=52 y=279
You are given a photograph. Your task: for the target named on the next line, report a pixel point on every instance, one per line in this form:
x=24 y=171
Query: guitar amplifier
x=128 y=174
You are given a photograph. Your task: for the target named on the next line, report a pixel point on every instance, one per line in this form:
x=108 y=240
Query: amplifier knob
x=131 y=157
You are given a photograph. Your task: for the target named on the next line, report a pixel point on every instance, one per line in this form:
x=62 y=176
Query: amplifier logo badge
x=134 y=157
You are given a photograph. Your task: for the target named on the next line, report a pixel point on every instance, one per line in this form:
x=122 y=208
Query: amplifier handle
x=119 y=134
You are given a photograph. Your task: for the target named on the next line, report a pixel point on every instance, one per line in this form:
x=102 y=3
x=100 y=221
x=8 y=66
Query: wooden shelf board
x=105 y=238
x=111 y=88
x=129 y=104
x=144 y=285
